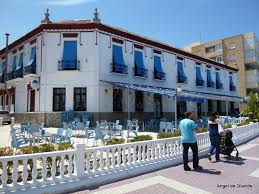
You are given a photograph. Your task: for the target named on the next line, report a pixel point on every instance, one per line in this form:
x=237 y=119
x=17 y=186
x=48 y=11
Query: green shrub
x=65 y=146
x=202 y=130
x=6 y=151
x=227 y=126
x=141 y=138
x=162 y=135
x=115 y=141
x=243 y=123
x=47 y=148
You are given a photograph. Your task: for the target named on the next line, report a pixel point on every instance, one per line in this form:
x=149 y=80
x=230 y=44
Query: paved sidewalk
x=228 y=176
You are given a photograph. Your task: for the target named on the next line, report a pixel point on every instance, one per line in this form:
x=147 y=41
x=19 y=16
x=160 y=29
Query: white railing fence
x=42 y=170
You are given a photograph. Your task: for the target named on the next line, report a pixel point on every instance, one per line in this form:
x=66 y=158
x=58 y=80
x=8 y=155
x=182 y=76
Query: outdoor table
x=39 y=135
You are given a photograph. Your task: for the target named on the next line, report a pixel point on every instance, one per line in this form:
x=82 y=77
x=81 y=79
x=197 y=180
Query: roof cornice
x=116 y=31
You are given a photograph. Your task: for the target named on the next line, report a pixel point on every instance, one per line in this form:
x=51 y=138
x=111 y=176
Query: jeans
x=194 y=148
x=215 y=143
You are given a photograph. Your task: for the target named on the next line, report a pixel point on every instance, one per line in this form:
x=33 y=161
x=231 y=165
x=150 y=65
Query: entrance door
x=158 y=106
x=181 y=109
x=199 y=110
x=32 y=101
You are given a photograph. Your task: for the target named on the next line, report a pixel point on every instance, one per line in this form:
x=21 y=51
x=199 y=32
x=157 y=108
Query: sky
x=175 y=22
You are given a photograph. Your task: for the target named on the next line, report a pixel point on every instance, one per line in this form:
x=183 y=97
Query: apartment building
x=88 y=66
x=240 y=51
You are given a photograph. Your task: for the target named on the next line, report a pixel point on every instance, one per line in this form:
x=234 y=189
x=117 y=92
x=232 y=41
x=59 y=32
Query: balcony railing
x=10 y=76
x=181 y=79
x=232 y=88
x=159 y=75
x=219 y=85
x=141 y=72
x=68 y=65
x=31 y=69
x=210 y=84
x=200 y=82
x=2 y=80
x=18 y=73
x=119 y=68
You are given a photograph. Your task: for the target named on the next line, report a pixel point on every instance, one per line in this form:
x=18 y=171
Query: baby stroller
x=227 y=146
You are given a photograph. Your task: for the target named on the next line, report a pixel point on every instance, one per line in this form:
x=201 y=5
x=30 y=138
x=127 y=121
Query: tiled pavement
x=228 y=176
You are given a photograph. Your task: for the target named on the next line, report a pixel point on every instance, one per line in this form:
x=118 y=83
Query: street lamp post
x=6 y=64
x=178 y=90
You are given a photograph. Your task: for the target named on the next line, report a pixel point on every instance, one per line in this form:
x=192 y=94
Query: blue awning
x=199 y=78
x=189 y=99
x=139 y=63
x=210 y=82
x=69 y=60
x=231 y=84
x=32 y=57
x=20 y=63
x=219 y=84
x=157 y=63
x=2 y=69
x=186 y=95
x=118 y=60
x=180 y=72
x=14 y=63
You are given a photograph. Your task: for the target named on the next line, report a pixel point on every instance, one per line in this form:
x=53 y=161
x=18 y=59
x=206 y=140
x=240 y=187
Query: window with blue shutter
x=32 y=60
x=19 y=67
x=199 y=78
x=158 y=71
x=180 y=72
x=210 y=82
x=69 y=59
x=2 y=69
x=219 y=84
x=139 y=64
x=20 y=62
x=232 y=86
x=118 y=65
x=14 y=64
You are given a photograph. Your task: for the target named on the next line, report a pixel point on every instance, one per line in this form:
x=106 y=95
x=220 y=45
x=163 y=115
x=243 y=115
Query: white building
x=88 y=66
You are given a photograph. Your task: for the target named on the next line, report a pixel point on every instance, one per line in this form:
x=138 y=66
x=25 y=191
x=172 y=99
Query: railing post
x=80 y=159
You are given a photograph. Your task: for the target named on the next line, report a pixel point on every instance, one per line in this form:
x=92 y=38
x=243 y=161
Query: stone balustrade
x=44 y=169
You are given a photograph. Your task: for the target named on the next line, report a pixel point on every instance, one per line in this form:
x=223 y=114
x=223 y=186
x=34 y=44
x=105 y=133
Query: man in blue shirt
x=188 y=139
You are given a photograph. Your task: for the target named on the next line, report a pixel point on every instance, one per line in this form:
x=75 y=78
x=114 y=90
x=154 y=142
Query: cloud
x=68 y=2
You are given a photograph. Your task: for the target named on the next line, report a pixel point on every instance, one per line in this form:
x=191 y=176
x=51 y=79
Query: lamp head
x=179 y=90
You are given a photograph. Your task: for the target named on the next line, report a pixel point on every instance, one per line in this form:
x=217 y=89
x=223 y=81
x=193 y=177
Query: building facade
x=87 y=66
x=240 y=51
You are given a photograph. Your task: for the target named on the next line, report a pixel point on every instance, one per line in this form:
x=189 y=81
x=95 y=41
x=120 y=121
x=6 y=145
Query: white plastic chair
x=162 y=126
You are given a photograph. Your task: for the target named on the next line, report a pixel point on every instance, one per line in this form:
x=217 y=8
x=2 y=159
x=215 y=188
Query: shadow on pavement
x=209 y=171
x=233 y=160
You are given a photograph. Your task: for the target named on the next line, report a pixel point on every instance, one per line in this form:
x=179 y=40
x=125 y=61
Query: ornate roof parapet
x=46 y=20
x=96 y=16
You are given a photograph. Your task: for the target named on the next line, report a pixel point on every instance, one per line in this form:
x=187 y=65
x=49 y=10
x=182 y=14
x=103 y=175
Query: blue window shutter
x=14 y=63
x=118 y=60
x=210 y=82
x=219 y=84
x=1 y=68
x=32 y=56
x=180 y=72
x=199 y=78
x=232 y=85
x=20 y=63
x=69 y=60
x=159 y=74
x=157 y=62
x=139 y=63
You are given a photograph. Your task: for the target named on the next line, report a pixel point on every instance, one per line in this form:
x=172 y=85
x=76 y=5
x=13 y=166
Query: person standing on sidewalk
x=213 y=125
x=189 y=140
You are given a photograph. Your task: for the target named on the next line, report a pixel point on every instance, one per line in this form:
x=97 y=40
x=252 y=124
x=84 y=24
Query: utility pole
x=6 y=64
